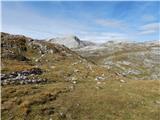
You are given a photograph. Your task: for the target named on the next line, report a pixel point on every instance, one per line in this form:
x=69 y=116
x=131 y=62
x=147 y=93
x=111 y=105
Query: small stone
x=44 y=80
x=52 y=67
x=157 y=102
x=36 y=60
x=78 y=104
x=71 y=87
x=98 y=87
x=33 y=81
x=51 y=51
x=76 y=70
x=74 y=82
x=98 y=83
x=99 y=78
x=122 y=81
x=62 y=115
x=21 y=82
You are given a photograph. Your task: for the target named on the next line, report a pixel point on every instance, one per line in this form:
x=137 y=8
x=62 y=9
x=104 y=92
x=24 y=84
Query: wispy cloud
x=149 y=28
x=95 y=21
x=111 y=23
x=22 y=20
x=105 y=36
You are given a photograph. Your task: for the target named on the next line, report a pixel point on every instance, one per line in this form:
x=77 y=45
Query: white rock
x=76 y=70
x=99 y=78
x=52 y=67
x=98 y=87
x=71 y=87
x=98 y=83
x=157 y=102
x=36 y=60
x=51 y=51
x=74 y=82
x=122 y=81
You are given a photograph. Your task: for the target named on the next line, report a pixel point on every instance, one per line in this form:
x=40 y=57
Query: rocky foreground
x=47 y=81
x=22 y=77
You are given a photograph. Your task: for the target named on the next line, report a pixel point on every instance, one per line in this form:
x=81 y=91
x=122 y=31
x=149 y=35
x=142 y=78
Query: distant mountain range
x=74 y=42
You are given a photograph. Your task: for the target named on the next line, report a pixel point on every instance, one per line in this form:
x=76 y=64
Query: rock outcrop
x=22 y=77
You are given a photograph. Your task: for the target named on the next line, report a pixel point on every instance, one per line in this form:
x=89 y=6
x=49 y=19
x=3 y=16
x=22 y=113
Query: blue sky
x=93 y=21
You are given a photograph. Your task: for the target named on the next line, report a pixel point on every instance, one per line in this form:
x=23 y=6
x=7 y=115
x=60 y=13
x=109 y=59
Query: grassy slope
x=59 y=99
x=115 y=100
x=131 y=54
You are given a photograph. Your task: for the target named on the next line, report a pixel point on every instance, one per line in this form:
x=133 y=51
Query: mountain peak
x=70 y=41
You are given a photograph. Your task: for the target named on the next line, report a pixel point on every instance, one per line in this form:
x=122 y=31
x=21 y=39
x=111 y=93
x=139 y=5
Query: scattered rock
x=36 y=60
x=62 y=115
x=74 y=82
x=71 y=87
x=52 y=67
x=157 y=102
x=75 y=63
x=99 y=78
x=131 y=72
x=76 y=70
x=122 y=81
x=20 y=77
x=98 y=83
x=51 y=51
x=98 y=87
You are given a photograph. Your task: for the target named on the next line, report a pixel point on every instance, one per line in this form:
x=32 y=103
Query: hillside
x=46 y=81
x=133 y=60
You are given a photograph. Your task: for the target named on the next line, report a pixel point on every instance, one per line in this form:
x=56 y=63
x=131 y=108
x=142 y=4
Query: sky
x=91 y=21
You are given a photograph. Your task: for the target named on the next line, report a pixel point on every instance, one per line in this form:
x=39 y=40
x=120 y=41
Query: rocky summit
x=69 y=79
x=71 y=42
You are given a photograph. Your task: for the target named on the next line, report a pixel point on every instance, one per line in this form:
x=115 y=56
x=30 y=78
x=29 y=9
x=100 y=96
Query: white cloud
x=22 y=20
x=101 y=37
x=149 y=28
x=146 y=32
x=28 y=22
x=111 y=23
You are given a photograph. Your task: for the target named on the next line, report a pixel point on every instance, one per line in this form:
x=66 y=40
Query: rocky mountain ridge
x=71 y=42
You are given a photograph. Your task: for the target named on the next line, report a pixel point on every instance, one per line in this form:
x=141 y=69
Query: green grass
x=115 y=100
